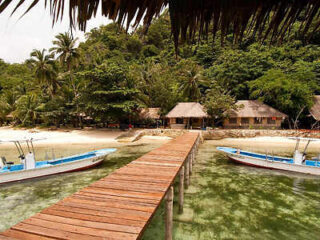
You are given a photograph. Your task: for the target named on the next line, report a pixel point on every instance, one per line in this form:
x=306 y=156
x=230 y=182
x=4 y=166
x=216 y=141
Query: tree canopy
x=112 y=74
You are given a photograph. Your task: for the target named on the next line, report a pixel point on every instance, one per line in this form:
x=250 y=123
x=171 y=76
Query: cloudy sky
x=18 y=37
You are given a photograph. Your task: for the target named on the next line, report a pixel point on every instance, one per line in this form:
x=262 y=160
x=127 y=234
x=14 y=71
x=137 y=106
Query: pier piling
x=181 y=190
x=169 y=214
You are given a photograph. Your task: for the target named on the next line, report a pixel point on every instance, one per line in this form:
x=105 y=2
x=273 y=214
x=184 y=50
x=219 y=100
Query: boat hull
x=274 y=165
x=51 y=170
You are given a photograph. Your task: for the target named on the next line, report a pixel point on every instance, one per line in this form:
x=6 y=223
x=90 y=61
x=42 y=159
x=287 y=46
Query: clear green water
x=229 y=201
x=224 y=201
x=19 y=201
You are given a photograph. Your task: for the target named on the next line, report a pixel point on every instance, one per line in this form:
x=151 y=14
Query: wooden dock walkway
x=121 y=205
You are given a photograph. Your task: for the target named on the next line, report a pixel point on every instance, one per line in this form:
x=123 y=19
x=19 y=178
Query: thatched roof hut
x=315 y=110
x=187 y=110
x=254 y=108
x=259 y=18
x=253 y=113
x=150 y=113
x=187 y=115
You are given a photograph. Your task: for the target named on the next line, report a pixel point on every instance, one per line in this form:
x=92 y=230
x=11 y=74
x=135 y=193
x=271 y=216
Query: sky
x=18 y=37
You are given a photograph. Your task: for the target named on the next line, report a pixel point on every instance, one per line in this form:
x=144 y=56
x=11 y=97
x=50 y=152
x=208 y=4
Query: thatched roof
x=151 y=113
x=315 y=110
x=254 y=108
x=260 y=18
x=187 y=110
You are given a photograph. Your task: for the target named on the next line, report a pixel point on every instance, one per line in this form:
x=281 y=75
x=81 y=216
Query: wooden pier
x=121 y=205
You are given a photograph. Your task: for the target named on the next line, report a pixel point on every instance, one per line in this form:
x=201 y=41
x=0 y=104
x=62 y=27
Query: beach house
x=188 y=115
x=253 y=114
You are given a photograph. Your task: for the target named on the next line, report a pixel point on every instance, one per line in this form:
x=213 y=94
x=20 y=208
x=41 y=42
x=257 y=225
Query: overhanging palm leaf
x=187 y=16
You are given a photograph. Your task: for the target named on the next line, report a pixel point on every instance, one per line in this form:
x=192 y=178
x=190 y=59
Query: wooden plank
x=138 y=178
x=107 y=197
x=102 y=211
x=53 y=233
x=15 y=234
x=106 y=205
x=90 y=232
x=159 y=164
x=90 y=224
x=133 y=194
x=2 y=237
x=130 y=187
x=137 y=182
x=93 y=218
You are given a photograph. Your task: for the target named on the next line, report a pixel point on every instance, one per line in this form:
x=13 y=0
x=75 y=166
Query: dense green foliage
x=112 y=74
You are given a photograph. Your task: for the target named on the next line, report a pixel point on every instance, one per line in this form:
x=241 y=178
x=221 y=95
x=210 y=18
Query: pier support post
x=190 y=163
x=169 y=214
x=187 y=172
x=181 y=190
x=193 y=155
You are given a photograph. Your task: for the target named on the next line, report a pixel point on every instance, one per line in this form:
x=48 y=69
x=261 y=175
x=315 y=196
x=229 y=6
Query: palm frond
x=261 y=18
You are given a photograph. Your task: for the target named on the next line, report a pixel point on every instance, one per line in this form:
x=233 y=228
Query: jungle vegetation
x=107 y=78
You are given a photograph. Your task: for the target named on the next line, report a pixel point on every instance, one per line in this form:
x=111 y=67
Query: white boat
x=297 y=163
x=30 y=168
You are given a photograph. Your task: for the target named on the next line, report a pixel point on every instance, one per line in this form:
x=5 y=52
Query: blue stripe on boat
x=41 y=164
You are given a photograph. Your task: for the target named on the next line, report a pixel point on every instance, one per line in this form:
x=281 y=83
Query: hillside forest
x=110 y=76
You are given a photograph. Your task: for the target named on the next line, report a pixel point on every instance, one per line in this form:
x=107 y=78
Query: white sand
x=157 y=137
x=61 y=136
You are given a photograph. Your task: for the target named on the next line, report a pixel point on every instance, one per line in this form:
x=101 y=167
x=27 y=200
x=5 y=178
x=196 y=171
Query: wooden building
x=253 y=114
x=315 y=112
x=187 y=115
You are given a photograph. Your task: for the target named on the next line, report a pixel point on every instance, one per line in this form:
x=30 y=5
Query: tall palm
x=191 y=78
x=65 y=48
x=45 y=69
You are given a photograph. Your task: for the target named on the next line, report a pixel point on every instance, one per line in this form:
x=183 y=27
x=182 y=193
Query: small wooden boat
x=30 y=168
x=297 y=163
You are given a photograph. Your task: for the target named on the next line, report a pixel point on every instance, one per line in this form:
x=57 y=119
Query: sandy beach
x=61 y=136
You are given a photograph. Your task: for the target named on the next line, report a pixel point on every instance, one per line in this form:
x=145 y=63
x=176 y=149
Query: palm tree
x=65 y=48
x=191 y=78
x=45 y=69
x=26 y=109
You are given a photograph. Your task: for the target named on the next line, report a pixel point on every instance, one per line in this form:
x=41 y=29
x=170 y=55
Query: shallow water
x=229 y=201
x=19 y=201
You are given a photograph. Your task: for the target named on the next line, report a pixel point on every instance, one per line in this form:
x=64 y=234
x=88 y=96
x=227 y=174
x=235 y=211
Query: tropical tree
x=26 y=109
x=45 y=69
x=287 y=92
x=217 y=102
x=65 y=48
x=191 y=80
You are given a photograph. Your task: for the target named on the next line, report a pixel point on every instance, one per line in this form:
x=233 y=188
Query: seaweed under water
x=231 y=201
